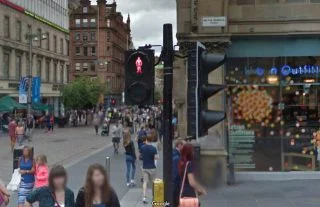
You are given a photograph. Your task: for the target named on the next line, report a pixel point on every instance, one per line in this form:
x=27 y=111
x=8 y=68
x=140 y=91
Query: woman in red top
x=12 y=133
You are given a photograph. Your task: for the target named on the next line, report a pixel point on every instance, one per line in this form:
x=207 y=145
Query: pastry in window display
x=254 y=104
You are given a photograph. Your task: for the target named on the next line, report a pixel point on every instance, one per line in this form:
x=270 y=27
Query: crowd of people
x=141 y=134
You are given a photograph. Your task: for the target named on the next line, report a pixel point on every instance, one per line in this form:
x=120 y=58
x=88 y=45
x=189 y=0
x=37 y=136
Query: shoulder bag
x=187 y=201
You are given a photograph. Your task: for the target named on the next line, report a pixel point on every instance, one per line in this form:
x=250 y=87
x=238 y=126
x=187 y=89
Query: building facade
x=49 y=49
x=99 y=37
x=272 y=78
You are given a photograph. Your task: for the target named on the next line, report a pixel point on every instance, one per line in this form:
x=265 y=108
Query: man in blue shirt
x=175 y=172
x=149 y=156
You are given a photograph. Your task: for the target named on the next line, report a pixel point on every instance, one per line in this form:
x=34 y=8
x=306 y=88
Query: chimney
x=102 y=7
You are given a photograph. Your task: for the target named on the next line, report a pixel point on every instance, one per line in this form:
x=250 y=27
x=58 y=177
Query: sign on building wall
x=214 y=21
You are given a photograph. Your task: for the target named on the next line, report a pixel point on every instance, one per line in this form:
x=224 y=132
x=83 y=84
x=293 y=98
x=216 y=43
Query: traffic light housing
x=200 y=64
x=139 y=69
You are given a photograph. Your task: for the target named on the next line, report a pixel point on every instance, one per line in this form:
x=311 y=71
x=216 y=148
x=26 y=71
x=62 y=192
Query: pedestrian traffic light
x=139 y=69
x=113 y=102
x=200 y=64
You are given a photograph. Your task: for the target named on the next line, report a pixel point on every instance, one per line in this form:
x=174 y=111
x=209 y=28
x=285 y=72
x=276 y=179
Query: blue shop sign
x=285 y=70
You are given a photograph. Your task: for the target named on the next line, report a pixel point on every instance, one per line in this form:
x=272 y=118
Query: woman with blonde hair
x=130 y=158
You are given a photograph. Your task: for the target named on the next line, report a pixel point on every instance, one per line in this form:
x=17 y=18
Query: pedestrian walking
x=48 y=122
x=30 y=124
x=4 y=195
x=176 y=182
x=41 y=172
x=116 y=134
x=189 y=188
x=57 y=194
x=96 y=123
x=27 y=169
x=130 y=158
x=20 y=133
x=12 y=133
x=149 y=157
x=51 y=122
x=97 y=191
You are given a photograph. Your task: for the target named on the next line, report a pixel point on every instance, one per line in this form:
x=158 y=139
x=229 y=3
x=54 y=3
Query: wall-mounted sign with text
x=214 y=21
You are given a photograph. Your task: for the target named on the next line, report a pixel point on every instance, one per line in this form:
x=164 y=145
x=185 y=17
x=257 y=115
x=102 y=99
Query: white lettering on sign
x=214 y=21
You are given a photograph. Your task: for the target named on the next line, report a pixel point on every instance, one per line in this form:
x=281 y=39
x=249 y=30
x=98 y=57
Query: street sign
x=214 y=21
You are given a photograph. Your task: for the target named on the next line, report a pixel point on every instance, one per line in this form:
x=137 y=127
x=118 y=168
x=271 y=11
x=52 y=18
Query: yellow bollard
x=158 y=192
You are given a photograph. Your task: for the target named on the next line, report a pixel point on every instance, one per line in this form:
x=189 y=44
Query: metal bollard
x=231 y=177
x=158 y=192
x=108 y=163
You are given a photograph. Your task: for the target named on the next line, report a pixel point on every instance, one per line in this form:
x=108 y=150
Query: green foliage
x=82 y=93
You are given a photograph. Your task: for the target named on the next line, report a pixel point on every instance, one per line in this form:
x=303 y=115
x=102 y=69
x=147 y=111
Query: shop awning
x=7 y=104
x=42 y=107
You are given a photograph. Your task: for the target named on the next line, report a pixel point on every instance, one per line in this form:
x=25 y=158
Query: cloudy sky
x=147 y=18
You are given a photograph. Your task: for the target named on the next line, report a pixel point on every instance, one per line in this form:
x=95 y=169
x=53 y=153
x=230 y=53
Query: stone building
x=273 y=55
x=49 y=50
x=99 y=37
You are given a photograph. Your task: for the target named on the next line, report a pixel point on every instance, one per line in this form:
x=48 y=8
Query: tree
x=82 y=93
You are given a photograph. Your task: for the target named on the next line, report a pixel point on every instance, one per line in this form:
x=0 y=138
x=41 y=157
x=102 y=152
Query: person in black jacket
x=97 y=191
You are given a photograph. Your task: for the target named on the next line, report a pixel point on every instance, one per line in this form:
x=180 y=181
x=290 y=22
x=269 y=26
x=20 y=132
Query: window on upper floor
x=108 y=23
x=92 y=35
x=39 y=37
x=6 y=27
x=92 y=67
x=77 y=36
x=85 y=51
x=84 y=36
x=78 y=66
x=85 y=66
x=85 y=22
x=93 y=50
x=78 y=22
x=242 y=2
x=55 y=43
x=61 y=45
x=92 y=22
x=85 y=9
x=18 y=30
x=78 y=51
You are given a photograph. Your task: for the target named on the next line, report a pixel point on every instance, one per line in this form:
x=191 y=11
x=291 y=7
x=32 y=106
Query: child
x=42 y=171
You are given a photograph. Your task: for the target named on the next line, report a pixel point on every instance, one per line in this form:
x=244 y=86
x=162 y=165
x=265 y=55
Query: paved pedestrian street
x=63 y=146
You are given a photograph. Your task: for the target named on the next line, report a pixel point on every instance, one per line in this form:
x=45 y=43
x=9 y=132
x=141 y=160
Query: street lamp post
x=31 y=37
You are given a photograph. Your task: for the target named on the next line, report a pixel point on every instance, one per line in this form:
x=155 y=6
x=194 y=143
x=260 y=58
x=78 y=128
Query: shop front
x=273 y=104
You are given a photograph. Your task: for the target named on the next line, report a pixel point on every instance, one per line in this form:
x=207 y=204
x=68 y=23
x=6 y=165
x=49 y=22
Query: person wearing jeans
x=130 y=158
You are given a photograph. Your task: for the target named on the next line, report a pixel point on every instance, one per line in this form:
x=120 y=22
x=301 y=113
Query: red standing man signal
x=139 y=64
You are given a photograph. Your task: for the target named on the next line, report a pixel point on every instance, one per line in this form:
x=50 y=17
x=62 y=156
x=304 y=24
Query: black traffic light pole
x=167 y=53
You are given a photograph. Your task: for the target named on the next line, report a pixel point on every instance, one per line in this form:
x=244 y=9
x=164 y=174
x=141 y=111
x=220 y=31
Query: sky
x=147 y=19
